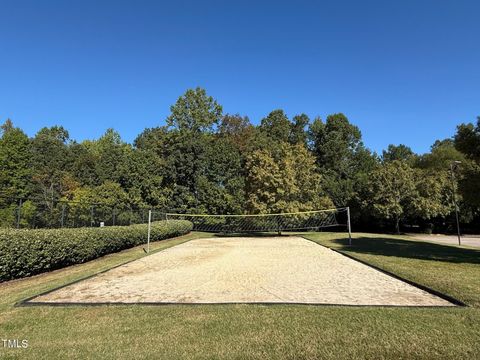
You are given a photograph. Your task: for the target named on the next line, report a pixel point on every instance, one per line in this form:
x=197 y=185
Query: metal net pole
x=349 y=227
x=149 y=229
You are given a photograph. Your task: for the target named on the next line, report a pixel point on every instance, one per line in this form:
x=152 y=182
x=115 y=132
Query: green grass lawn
x=259 y=331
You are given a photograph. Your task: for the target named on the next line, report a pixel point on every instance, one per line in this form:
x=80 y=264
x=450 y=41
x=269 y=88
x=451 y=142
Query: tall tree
x=15 y=164
x=238 y=130
x=284 y=181
x=276 y=126
x=467 y=140
x=153 y=140
x=195 y=111
x=221 y=185
x=84 y=163
x=342 y=158
x=398 y=152
x=50 y=158
x=111 y=152
x=298 y=135
x=441 y=156
x=193 y=118
x=335 y=142
x=433 y=196
x=142 y=176
x=392 y=187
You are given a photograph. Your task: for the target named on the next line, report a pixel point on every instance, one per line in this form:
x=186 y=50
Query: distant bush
x=29 y=252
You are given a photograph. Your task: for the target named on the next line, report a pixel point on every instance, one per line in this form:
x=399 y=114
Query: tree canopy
x=201 y=160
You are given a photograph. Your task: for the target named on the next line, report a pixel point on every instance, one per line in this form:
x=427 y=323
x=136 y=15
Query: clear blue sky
x=403 y=71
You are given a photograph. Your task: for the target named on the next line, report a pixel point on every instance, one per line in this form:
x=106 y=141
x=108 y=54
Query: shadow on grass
x=410 y=249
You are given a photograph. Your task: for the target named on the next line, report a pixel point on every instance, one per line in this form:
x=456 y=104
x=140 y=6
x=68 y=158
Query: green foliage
x=195 y=111
x=238 y=130
x=111 y=154
x=152 y=140
x=142 y=174
x=276 y=126
x=442 y=155
x=83 y=164
x=15 y=164
x=284 y=181
x=467 y=140
x=29 y=252
x=50 y=160
x=102 y=200
x=202 y=161
x=398 y=191
x=335 y=142
x=469 y=185
x=27 y=212
x=392 y=189
x=8 y=216
x=221 y=184
x=342 y=158
x=49 y=150
x=400 y=152
x=433 y=196
x=298 y=135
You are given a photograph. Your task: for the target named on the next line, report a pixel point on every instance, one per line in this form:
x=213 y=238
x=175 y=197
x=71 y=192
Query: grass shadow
x=410 y=249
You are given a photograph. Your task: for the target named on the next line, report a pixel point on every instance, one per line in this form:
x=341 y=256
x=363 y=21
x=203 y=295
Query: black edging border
x=431 y=291
x=27 y=302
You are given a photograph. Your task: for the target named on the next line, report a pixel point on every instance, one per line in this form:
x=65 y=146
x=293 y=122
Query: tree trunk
x=397 y=225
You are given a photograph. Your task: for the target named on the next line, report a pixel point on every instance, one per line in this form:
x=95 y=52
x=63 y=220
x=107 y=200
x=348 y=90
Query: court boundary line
x=29 y=303
x=425 y=288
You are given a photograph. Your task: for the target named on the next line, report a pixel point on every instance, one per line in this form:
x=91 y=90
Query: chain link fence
x=68 y=214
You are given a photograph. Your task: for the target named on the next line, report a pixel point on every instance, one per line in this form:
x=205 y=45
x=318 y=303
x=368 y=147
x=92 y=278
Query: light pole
x=452 y=166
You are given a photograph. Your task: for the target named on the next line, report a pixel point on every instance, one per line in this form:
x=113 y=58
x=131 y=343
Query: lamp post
x=452 y=167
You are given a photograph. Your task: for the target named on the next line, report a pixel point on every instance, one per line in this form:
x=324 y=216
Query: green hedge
x=29 y=252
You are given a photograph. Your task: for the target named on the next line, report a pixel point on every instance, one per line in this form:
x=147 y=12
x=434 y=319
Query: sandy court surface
x=245 y=270
x=467 y=240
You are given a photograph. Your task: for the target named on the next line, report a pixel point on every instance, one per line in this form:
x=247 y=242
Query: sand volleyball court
x=287 y=269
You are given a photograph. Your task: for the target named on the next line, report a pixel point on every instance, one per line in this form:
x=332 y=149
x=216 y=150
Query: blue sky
x=403 y=71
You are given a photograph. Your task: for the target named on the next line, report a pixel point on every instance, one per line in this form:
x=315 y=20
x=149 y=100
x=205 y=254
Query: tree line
x=206 y=161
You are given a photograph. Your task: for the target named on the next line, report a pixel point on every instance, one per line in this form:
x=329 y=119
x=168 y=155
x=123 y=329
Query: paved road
x=468 y=240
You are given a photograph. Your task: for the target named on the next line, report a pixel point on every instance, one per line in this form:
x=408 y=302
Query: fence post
x=19 y=212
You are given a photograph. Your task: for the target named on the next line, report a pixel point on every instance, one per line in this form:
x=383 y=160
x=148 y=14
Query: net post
x=279 y=230
x=349 y=226
x=149 y=228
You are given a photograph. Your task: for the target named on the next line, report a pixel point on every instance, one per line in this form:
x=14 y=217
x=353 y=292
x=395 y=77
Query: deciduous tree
x=284 y=181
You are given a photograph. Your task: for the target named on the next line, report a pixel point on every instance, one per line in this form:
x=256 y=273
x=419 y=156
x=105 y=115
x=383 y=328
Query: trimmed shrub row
x=29 y=252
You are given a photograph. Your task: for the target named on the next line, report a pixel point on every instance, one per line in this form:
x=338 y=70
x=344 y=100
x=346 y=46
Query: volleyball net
x=294 y=221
